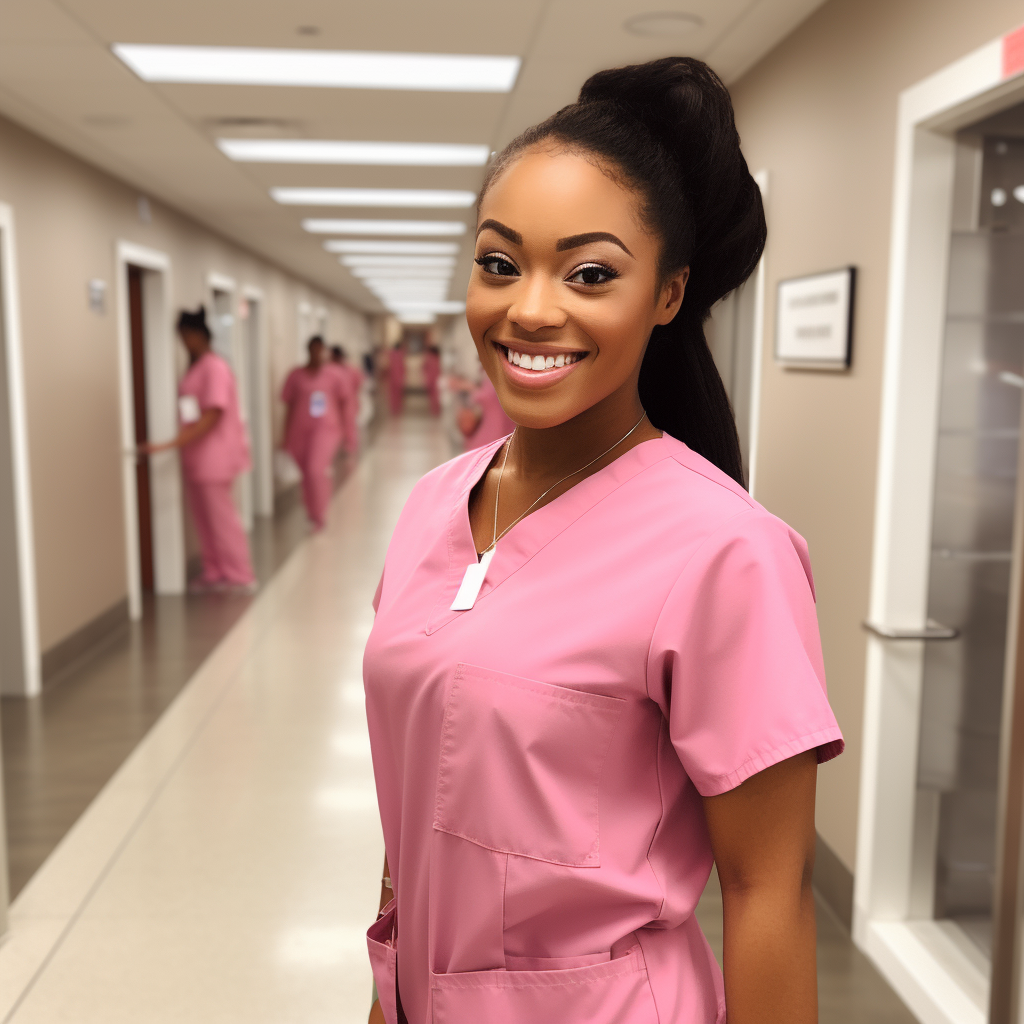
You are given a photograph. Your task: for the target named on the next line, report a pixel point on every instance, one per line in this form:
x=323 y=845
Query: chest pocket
x=520 y=766
x=317 y=404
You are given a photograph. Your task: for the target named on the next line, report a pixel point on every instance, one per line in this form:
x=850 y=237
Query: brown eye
x=592 y=274
x=497 y=265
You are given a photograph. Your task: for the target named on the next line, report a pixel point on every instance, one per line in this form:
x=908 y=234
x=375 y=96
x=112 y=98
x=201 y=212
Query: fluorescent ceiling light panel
x=318 y=226
x=417 y=318
x=397 y=261
x=401 y=273
x=370 y=154
x=332 y=69
x=427 y=198
x=447 y=306
x=393 y=248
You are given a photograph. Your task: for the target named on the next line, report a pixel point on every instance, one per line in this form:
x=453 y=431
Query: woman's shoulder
x=690 y=496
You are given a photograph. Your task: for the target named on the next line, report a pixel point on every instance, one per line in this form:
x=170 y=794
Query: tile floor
x=226 y=872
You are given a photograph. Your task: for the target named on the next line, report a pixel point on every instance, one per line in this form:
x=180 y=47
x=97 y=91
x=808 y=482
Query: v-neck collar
x=539 y=528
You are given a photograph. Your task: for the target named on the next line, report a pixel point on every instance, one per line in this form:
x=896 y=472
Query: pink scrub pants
x=314 y=459
x=222 y=539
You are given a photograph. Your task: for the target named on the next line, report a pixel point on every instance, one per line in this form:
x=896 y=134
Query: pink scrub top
x=494 y=424
x=316 y=400
x=223 y=453
x=646 y=639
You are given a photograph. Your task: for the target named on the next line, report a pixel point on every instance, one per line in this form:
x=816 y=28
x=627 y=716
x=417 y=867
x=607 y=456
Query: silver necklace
x=495 y=536
x=473 y=579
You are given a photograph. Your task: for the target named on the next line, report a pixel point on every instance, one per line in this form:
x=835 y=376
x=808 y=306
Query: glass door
x=967 y=827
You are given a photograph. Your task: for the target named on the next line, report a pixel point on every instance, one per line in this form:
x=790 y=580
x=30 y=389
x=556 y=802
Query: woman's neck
x=543 y=454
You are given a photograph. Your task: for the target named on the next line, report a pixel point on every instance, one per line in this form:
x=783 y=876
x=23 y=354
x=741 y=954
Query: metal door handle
x=932 y=631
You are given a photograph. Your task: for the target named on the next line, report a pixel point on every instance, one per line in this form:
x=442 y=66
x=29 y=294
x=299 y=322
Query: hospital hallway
x=229 y=869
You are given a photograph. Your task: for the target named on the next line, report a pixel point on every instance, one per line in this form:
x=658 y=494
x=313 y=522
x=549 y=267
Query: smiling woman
x=595 y=666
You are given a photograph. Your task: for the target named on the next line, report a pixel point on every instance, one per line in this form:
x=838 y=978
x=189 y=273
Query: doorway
x=153 y=535
x=735 y=335
x=938 y=880
x=144 y=494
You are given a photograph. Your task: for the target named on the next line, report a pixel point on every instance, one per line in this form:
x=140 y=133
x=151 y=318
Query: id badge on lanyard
x=188 y=408
x=317 y=404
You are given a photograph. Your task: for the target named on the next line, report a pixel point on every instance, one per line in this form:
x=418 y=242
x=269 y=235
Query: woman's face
x=566 y=286
x=195 y=341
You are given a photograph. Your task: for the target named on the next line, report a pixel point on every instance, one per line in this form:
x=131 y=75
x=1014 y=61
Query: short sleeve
x=214 y=390
x=377 y=593
x=735 y=660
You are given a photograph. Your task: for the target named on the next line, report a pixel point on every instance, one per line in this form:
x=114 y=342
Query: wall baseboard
x=833 y=881
x=81 y=644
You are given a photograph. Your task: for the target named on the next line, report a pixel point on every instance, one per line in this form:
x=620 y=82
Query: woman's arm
x=189 y=432
x=762 y=834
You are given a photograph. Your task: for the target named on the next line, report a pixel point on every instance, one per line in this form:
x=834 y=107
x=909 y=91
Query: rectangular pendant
x=472 y=581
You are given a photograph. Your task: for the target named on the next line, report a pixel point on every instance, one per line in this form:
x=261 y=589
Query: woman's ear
x=670 y=298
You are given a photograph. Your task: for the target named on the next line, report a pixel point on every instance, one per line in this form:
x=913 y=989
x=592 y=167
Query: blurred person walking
x=480 y=418
x=214 y=450
x=318 y=397
x=354 y=377
x=432 y=378
x=396 y=379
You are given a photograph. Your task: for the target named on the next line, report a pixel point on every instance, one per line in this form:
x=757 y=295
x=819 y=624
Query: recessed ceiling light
x=375 y=154
x=393 y=248
x=325 y=226
x=338 y=69
x=433 y=198
x=435 y=262
x=664 y=23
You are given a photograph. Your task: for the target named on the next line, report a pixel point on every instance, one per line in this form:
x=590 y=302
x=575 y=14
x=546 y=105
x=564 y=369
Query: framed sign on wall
x=814 y=320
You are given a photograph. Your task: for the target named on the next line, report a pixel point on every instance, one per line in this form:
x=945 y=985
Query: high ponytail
x=668 y=127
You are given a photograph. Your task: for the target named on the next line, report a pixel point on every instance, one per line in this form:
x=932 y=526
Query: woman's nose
x=535 y=306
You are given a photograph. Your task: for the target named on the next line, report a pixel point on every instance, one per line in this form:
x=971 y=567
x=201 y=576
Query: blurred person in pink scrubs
x=214 y=450
x=432 y=378
x=595 y=669
x=317 y=396
x=396 y=379
x=480 y=417
x=354 y=377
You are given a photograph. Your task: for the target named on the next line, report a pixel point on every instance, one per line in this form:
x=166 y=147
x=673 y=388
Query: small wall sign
x=814 y=321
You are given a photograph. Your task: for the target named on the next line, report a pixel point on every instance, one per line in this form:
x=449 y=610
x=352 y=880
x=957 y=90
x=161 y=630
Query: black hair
x=315 y=340
x=667 y=128
x=337 y=352
x=189 y=321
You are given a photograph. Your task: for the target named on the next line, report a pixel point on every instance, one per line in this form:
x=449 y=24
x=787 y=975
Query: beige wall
x=819 y=113
x=68 y=219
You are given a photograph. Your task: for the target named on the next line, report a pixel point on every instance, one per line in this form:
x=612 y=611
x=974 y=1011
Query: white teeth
x=538 y=363
x=508 y=354
x=549 y=362
x=559 y=360
x=515 y=358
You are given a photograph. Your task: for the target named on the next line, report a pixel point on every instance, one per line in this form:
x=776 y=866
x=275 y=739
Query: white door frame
x=162 y=410
x=260 y=385
x=30 y=681
x=934 y=974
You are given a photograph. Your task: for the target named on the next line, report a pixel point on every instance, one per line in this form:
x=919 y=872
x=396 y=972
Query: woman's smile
x=533 y=366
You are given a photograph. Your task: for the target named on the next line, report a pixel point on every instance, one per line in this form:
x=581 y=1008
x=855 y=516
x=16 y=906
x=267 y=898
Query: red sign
x=1013 y=53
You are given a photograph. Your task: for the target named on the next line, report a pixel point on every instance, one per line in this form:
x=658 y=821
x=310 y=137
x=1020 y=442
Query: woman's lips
x=525 y=376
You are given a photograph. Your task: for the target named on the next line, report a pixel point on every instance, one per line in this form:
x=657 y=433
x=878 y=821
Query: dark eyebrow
x=505 y=232
x=574 y=241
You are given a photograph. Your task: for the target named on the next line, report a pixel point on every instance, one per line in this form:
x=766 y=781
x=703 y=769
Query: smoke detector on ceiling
x=664 y=23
